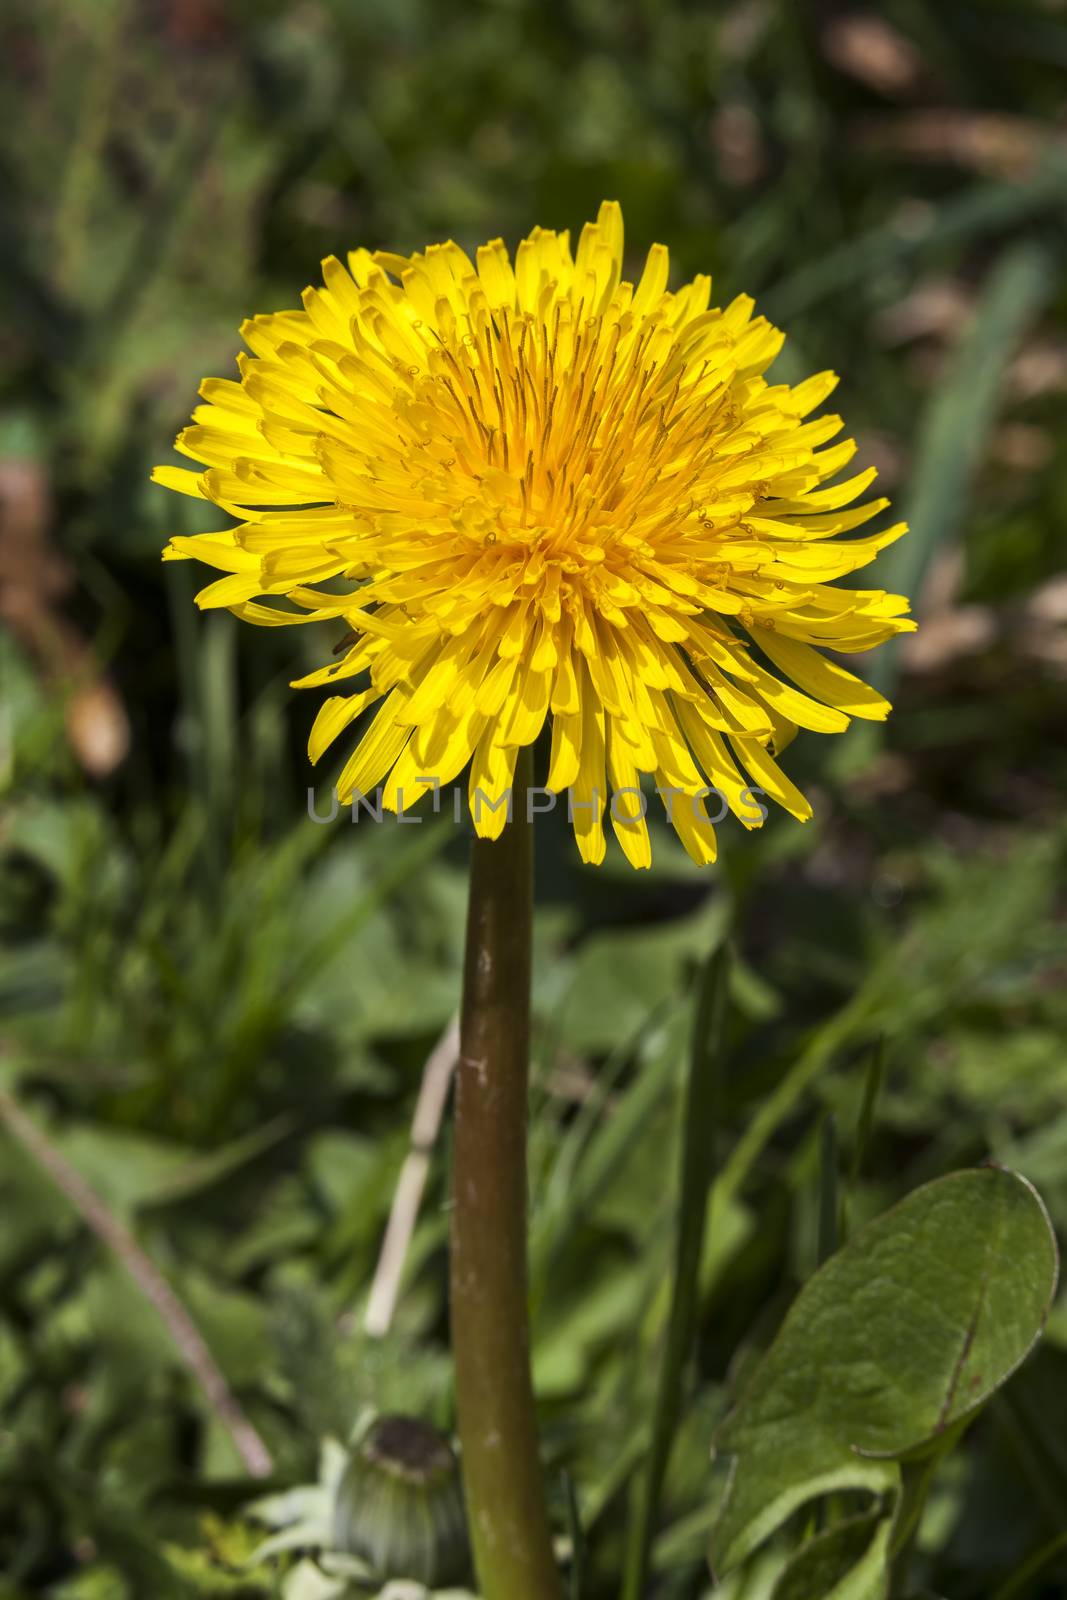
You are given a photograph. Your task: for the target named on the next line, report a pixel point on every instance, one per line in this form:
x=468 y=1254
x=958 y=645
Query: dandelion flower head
x=533 y=493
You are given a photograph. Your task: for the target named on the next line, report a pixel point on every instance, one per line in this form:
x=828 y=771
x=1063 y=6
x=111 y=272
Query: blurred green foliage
x=218 y=1014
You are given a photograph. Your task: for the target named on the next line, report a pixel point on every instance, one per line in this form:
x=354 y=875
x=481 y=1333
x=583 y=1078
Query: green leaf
x=848 y=1562
x=901 y=1335
x=619 y=978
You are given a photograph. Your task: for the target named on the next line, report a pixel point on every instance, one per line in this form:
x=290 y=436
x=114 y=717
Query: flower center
x=561 y=446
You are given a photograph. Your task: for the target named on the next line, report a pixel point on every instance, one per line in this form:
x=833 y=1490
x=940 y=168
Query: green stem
x=490 y=1321
x=917 y=1479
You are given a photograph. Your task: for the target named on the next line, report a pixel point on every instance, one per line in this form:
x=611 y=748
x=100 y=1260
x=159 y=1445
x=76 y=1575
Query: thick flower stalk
x=537 y=493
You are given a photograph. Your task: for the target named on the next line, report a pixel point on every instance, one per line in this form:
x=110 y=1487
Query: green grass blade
x=872 y=1088
x=959 y=419
x=577 y=1538
x=983 y=209
x=702 y=1099
x=829 y=1190
x=1018 y=1585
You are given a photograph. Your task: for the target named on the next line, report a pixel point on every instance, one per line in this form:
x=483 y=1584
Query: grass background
x=219 y=1015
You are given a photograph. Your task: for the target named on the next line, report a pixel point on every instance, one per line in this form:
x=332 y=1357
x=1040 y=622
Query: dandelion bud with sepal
x=399 y=1504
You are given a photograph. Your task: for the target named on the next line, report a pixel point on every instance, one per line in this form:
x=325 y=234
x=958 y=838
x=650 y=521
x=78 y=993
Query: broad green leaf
x=848 y=1562
x=900 y=1336
x=619 y=978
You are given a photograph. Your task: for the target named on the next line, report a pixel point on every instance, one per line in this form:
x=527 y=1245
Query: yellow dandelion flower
x=538 y=493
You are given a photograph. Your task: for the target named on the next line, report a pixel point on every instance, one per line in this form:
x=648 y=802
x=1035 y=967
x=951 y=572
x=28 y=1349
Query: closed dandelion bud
x=399 y=1504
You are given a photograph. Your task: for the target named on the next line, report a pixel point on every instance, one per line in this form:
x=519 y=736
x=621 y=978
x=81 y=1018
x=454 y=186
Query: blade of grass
x=84 y=167
x=985 y=208
x=872 y=1087
x=403 y=863
x=952 y=437
x=700 y=1113
x=1037 y=1464
x=553 y=1219
x=830 y=1218
x=787 y=1094
x=599 y=1151
x=162 y=216
x=829 y=1190
x=1019 y=1583
x=959 y=419
x=577 y=1538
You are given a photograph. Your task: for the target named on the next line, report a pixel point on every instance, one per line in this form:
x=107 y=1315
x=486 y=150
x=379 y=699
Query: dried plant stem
x=490 y=1323
x=188 y=1340
x=426 y=1125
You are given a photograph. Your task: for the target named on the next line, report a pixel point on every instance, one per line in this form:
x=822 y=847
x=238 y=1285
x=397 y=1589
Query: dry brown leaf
x=34 y=578
x=870 y=49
